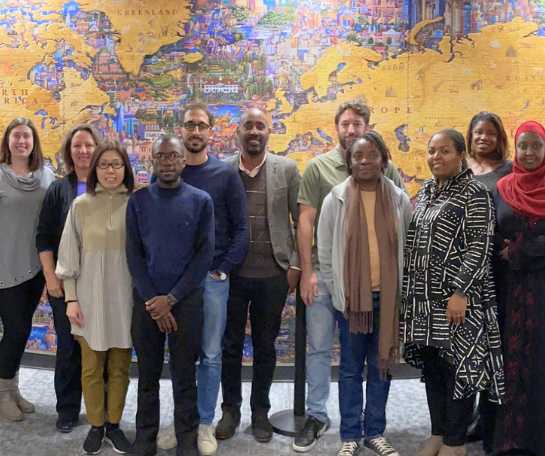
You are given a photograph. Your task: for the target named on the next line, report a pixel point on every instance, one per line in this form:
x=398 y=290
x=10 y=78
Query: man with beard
x=222 y=183
x=268 y=272
x=321 y=174
x=170 y=248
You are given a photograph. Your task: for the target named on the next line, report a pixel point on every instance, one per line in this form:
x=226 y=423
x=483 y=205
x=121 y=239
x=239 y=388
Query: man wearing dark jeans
x=170 y=247
x=264 y=278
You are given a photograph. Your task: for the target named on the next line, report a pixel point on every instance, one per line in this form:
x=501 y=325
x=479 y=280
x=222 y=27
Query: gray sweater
x=21 y=199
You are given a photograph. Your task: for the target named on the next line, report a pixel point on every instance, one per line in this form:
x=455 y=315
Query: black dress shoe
x=65 y=425
x=261 y=428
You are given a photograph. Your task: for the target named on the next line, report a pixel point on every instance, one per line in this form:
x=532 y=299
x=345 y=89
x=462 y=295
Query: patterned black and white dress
x=448 y=249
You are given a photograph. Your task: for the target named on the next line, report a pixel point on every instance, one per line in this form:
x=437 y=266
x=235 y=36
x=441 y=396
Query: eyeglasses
x=170 y=157
x=114 y=165
x=190 y=126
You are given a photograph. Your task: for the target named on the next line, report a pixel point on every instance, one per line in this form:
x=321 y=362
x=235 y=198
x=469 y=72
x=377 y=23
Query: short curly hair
x=374 y=138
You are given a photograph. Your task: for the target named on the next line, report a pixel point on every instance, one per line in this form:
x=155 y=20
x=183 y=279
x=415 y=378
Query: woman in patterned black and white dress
x=449 y=320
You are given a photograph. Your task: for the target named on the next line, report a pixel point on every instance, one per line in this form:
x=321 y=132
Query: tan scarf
x=357 y=270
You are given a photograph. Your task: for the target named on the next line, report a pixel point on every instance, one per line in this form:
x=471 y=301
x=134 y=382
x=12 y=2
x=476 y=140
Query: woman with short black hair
x=360 y=246
x=98 y=290
x=449 y=318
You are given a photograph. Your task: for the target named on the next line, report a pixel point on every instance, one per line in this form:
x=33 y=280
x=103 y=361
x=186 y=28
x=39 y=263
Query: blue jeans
x=216 y=294
x=355 y=350
x=321 y=330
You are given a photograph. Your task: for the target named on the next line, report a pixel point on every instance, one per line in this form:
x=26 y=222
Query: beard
x=195 y=150
x=253 y=150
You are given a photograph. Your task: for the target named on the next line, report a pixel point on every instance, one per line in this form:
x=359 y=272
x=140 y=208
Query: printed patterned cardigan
x=448 y=249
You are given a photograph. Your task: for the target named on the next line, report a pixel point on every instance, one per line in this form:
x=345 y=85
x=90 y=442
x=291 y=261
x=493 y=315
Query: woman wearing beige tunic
x=98 y=290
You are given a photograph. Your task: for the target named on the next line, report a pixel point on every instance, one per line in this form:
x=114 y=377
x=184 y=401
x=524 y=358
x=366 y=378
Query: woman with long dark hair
x=488 y=149
x=23 y=183
x=98 y=290
x=488 y=158
x=76 y=150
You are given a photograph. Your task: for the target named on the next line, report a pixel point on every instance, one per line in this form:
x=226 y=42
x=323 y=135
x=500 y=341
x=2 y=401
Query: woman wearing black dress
x=520 y=209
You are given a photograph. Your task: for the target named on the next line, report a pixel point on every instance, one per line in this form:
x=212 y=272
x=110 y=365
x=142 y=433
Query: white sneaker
x=167 y=440
x=206 y=441
x=381 y=447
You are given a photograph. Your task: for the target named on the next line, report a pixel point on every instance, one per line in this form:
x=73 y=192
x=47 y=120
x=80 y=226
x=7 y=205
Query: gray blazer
x=283 y=181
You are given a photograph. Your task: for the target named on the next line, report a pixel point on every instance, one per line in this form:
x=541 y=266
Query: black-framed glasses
x=162 y=157
x=190 y=126
x=114 y=165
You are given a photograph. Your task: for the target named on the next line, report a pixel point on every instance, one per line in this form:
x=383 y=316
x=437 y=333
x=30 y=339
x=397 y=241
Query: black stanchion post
x=290 y=422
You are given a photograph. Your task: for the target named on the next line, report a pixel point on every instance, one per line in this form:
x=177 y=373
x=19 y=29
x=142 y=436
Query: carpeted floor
x=408 y=422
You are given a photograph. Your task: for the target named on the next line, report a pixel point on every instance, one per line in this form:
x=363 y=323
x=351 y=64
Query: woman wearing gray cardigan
x=361 y=234
x=23 y=183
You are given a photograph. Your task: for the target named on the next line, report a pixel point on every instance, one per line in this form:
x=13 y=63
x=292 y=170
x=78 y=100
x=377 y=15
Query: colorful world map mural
x=130 y=66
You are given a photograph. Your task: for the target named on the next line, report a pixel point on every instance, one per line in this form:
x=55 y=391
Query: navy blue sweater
x=224 y=185
x=170 y=240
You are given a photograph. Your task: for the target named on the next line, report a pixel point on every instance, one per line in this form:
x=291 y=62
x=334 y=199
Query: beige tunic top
x=93 y=265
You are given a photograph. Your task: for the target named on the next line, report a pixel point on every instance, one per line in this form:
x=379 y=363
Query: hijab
x=524 y=190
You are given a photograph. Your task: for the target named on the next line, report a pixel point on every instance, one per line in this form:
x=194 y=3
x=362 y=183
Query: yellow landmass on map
x=142 y=26
x=79 y=95
x=19 y=54
x=501 y=69
x=419 y=27
x=193 y=57
x=319 y=76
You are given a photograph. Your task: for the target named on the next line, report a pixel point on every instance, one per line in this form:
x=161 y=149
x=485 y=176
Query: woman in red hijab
x=520 y=213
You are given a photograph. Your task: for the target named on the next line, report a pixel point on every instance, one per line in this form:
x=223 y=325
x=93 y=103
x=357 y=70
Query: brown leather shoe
x=227 y=426
x=433 y=445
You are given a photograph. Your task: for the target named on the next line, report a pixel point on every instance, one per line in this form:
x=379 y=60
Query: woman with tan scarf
x=360 y=246
x=449 y=317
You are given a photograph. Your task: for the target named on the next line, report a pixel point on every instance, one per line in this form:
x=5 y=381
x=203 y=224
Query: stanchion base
x=287 y=423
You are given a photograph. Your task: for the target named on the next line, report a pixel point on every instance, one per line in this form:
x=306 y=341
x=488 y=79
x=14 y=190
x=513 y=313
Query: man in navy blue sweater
x=170 y=248
x=223 y=184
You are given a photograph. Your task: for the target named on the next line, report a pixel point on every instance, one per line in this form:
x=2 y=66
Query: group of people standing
x=455 y=287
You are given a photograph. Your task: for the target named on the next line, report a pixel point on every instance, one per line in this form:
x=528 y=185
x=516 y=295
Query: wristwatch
x=220 y=274
x=171 y=300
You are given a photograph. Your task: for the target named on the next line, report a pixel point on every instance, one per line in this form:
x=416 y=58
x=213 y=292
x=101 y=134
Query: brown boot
x=8 y=407
x=453 y=450
x=22 y=403
x=433 y=445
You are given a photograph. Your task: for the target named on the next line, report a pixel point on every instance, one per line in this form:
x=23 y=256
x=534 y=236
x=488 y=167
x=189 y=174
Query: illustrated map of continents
x=38 y=33
x=501 y=69
x=421 y=91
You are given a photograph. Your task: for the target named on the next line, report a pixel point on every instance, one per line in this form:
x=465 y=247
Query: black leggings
x=17 y=306
x=450 y=417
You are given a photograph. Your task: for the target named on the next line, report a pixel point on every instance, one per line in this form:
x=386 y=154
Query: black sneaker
x=311 y=432
x=349 y=449
x=118 y=441
x=381 y=447
x=93 y=442
x=65 y=425
x=261 y=428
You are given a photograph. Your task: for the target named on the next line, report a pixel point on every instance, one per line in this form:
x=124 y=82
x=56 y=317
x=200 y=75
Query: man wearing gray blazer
x=263 y=280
